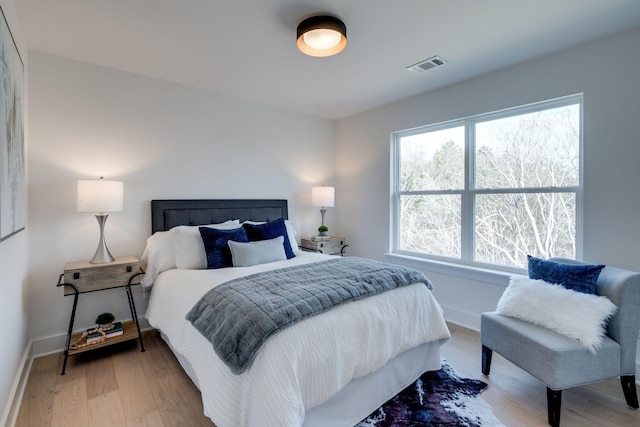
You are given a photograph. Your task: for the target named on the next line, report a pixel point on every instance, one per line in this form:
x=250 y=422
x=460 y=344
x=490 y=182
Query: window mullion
x=467 y=214
x=394 y=231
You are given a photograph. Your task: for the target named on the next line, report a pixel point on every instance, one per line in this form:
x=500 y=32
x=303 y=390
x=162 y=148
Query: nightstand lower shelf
x=129 y=332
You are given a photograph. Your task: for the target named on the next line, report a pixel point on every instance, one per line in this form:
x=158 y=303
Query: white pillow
x=188 y=244
x=259 y=252
x=573 y=314
x=291 y=233
x=159 y=255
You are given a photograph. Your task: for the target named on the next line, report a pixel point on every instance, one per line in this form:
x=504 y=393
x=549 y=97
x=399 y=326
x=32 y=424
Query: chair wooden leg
x=486 y=360
x=554 y=401
x=629 y=389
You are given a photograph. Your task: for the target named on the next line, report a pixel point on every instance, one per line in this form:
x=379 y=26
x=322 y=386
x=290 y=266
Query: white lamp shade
x=323 y=196
x=98 y=195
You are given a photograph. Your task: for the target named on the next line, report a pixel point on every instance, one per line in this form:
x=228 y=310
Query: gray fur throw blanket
x=238 y=316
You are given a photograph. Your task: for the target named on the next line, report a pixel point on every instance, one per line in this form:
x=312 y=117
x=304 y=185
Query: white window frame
x=469 y=191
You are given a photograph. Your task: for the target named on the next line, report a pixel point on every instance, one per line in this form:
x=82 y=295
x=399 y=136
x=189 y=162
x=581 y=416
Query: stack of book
x=114 y=332
x=320 y=238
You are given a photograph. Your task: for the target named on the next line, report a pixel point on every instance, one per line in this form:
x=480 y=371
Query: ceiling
x=247 y=48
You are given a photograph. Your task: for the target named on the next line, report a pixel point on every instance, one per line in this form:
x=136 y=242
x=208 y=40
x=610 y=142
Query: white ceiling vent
x=427 y=64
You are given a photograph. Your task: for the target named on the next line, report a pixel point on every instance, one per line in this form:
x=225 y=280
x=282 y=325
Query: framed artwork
x=12 y=161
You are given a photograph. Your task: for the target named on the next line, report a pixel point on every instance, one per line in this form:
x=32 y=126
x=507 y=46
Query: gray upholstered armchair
x=561 y=362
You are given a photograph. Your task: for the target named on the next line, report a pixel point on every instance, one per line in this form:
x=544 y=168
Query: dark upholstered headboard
x=166 y=214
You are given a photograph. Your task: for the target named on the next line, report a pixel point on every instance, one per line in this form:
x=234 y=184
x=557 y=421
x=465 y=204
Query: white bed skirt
x=363 y=395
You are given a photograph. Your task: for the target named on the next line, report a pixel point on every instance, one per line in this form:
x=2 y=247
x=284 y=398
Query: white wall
x=170 y=141
x=164 y=141
x=606 y=72
x=14 y=314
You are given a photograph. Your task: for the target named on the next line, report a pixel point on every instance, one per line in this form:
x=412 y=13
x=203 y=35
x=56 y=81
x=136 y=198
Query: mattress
x=389 y=339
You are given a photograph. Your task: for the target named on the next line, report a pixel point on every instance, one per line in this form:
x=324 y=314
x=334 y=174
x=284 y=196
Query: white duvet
x=302 y=366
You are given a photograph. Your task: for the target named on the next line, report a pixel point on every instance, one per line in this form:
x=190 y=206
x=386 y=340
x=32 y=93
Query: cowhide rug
x=440 y=398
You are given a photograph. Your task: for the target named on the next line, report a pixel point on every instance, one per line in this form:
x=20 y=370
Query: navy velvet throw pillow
x=216 y=247
x=270 y=230
x=581 y=278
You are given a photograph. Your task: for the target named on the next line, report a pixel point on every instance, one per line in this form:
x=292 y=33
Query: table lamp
x=324 y=197
x=100 y=196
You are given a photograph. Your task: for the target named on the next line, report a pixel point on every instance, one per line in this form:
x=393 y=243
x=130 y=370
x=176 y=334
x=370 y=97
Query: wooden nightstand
x=334 y=246
x=81 y=276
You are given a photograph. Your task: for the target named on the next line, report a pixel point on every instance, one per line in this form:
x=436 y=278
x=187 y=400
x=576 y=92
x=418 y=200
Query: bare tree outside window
x=432 y=161
x=515 y=175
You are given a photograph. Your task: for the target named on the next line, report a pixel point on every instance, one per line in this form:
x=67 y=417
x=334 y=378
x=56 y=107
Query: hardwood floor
x=114 y=386
x=120 y=386
x=519 y=399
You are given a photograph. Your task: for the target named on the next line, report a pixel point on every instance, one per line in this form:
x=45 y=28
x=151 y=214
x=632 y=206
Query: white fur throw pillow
x=573 y=314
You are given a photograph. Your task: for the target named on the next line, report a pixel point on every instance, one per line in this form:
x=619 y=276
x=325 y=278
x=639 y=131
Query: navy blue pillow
x=581 y=278
x=270 y=230
x=216 y=247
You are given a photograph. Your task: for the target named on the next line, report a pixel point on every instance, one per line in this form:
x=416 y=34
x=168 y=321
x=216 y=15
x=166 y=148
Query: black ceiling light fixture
x=322 y=35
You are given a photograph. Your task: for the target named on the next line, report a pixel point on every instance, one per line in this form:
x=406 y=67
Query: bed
x=332 y=369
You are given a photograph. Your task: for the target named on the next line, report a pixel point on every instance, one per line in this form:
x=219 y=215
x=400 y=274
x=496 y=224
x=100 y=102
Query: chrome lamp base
x=322 y=212
x=102 y=254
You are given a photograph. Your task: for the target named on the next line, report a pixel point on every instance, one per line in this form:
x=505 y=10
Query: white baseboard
x=462 y=318
x=36 y=348
x=12 y=407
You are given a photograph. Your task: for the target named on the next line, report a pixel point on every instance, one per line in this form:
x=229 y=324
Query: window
x=491 y=189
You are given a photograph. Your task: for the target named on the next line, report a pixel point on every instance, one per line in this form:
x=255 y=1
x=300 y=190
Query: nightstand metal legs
x=128 y=331
x=132 y=307
x=67 y=343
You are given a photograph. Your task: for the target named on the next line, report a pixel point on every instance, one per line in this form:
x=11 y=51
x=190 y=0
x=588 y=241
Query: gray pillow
x=259 y=252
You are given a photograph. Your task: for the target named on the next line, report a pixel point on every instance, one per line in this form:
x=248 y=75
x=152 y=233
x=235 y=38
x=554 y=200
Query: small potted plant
x=105 y=319
x=323 y=231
